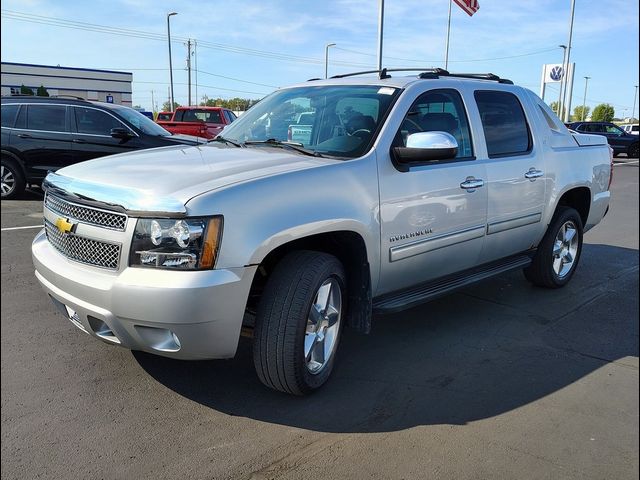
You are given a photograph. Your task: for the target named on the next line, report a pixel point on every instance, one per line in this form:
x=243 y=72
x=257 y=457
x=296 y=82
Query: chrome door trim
x=417 y=247
x=503 y=225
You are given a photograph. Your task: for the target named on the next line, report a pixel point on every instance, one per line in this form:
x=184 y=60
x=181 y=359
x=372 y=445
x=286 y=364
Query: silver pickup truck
x=407 y=188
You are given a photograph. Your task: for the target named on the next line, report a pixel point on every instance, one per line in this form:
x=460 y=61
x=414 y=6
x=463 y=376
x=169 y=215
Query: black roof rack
x=74 y=97
x=429 y=73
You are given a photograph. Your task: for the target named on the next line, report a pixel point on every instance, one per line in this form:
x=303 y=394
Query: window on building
x=51 y=118
x=95 y=122
x=505 y=127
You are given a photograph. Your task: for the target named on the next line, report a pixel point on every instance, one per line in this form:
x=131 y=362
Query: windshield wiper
x=226 y=140
x=298 y=147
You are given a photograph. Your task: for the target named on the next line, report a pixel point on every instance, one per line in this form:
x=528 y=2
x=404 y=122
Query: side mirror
x=426 y=147
x=121 y=133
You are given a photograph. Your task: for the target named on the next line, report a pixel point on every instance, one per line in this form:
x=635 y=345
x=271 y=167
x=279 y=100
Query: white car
x=632 y=128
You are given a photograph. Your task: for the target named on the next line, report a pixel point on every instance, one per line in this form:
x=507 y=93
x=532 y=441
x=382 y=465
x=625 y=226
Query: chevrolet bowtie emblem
x=64 y=225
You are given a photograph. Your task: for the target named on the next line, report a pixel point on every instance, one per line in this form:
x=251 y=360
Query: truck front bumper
x=178 y=314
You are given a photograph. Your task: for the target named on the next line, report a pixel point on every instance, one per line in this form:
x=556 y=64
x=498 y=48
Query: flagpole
x=446 y=48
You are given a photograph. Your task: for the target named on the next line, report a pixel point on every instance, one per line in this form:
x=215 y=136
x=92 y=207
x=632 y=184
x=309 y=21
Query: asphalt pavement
x=500 y=380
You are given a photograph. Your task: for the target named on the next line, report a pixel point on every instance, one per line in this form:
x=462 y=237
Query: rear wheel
x=559 y=252
x=632 y=152
x=299 y=321
x=11 y=179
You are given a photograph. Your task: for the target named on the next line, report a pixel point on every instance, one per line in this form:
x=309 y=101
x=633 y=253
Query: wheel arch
x=578 y=198
x=350 y=248
x=16 y=158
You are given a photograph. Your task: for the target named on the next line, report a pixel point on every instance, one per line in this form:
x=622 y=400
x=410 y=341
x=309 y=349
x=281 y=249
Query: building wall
x=89 y=84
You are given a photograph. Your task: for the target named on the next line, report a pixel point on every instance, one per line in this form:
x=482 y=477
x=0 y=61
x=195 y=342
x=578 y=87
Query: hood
x=185 y=139
x=165 y=179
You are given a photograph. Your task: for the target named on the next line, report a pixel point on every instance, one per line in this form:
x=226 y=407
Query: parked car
x=164 y=116
x=205 y=122
x=620 y=140
x=408 y=188
x=631 y=128
x=42 y=134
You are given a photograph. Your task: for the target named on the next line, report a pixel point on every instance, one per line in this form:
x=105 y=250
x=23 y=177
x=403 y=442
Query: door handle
x=470 y=184
x=79 y=140
x=533 y=173
x=24 y=135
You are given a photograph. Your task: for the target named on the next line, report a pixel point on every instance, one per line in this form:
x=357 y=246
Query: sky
x=248 y=48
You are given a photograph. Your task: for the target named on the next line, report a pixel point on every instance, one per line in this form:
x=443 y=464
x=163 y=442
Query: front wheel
x=559 y=252
x=298 y=322
x=632 y=152
x=11 y=179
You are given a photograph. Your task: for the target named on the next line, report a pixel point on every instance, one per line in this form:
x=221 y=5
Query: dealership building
x=100 y=85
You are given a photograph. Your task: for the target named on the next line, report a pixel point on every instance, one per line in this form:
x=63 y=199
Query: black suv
x=41 y=134
x=620 y=141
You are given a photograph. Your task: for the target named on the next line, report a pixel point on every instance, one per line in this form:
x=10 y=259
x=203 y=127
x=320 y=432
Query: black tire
x=11 y=171
x=632 y=151
x=541 y=271
x=281 y=321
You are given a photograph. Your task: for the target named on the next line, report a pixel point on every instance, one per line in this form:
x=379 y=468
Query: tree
x=25 y=90
x=166 y=106
x=579 y=115
x=554 y=107
x=603 y=113
x=42 y=92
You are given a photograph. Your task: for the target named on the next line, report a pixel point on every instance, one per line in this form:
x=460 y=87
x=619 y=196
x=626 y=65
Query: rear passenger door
x=92 y=134
x=515 y=173
x=42 y=137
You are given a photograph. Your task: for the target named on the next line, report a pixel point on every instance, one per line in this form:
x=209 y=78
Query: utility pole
x=380 y=25
x=584 y=99
x=195 y=55
x=635 y=96
x=326 y=58
x=566 y=101
x=189 y=70
x=169 y=15
x=446 y=48
x=153 y=105
x=564 y=75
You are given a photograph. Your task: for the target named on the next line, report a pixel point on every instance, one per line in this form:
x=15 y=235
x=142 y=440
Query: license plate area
x=69 y=312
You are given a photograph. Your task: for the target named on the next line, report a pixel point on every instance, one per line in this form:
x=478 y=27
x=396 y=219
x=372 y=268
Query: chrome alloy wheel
x=565 y=249
x=323 y=326
x=8 y=181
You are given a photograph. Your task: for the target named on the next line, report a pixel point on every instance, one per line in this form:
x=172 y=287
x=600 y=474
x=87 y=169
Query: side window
x=9 y=113
x=438 y=111
x=592 y=128
x=505 y=127
x=95 y=122
x=613 y=129
x=51 y=118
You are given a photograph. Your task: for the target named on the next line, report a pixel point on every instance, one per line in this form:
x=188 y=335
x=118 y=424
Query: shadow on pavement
x=475 y=354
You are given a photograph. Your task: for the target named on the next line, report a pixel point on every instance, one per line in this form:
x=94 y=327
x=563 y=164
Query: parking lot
x=500 y=380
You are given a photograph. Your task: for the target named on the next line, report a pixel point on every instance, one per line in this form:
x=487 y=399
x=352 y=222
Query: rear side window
x=50 y=118
x=95 y=122
x=9 y=115
x=591 y=128
x=505 y=127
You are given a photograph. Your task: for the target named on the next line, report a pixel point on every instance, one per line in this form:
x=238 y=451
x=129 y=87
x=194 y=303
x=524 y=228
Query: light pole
x=169 y=15
x=326 y=58
x=564 y=56
x=584 y=99
x=635 y=96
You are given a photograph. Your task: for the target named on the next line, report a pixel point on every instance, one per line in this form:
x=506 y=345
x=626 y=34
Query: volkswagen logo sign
x=556 y=73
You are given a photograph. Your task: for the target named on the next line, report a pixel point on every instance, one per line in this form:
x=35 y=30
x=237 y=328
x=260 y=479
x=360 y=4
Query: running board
x=397 y=301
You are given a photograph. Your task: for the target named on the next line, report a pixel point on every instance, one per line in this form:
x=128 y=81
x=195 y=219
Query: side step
x=397 y=301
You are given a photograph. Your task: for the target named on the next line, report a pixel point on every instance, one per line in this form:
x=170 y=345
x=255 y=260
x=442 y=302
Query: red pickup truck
x=206 y=122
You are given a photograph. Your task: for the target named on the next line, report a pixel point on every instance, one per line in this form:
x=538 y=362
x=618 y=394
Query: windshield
x=332 y=120
x=141 y=122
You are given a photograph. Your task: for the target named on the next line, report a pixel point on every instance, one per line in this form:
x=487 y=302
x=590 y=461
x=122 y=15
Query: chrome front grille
x=83 y=250
x=89 y=215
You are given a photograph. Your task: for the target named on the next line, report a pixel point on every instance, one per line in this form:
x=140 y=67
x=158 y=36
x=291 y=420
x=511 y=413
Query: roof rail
x=429 y=73
x=75 y=97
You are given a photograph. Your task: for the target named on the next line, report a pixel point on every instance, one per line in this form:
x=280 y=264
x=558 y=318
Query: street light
x=635 y=96
x=564 y=55
x=584 y=99
x=169 y=15
x=326 y=59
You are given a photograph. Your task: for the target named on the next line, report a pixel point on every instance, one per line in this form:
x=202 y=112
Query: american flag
x=469 y=6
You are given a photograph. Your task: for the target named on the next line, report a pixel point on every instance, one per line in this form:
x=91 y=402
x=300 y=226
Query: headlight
x=180 y=244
